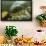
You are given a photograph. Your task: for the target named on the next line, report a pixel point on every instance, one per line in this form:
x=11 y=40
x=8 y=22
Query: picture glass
x=14 y=10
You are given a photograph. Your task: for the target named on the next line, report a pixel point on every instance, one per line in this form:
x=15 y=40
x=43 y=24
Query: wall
x=26 y=28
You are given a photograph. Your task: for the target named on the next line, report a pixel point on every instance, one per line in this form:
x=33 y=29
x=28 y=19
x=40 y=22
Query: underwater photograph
x=16 y=10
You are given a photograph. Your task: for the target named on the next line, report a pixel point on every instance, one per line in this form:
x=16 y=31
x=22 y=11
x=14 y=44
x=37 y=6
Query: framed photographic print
x=14 y=10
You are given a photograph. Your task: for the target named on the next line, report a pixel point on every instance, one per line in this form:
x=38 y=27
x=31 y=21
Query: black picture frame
x=13 y=12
